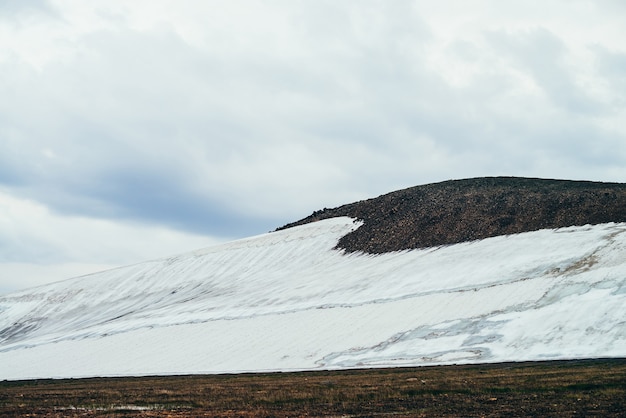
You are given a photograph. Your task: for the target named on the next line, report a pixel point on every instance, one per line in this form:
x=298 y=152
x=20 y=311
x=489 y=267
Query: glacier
x=289 y=300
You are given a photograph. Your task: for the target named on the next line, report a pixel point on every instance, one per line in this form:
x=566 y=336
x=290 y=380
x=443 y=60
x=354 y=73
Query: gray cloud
x=235 y=132
x=540 y=54
x=612 y=74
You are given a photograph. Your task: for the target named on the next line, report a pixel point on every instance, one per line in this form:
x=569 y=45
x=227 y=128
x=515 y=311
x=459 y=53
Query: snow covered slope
x=288 y=301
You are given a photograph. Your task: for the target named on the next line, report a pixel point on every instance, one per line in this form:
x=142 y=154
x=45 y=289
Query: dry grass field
x=562 y=388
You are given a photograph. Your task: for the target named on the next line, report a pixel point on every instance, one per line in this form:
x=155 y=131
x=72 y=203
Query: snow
x=289 y=301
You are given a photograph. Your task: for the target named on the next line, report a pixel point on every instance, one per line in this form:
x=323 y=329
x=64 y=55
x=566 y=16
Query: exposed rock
x=464 y=210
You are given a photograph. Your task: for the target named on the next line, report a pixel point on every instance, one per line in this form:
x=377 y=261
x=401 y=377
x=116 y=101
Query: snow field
x=289 y=301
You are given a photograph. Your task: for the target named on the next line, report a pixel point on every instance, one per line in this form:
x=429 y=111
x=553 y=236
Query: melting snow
x=289 y=301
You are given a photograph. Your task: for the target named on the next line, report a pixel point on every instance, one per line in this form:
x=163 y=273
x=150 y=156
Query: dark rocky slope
x=463 y=210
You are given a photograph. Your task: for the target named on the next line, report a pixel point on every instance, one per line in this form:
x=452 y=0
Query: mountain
x=467 y=271
x=456 y=211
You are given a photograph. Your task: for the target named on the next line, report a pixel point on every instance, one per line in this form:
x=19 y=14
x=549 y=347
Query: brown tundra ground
x=561 y=388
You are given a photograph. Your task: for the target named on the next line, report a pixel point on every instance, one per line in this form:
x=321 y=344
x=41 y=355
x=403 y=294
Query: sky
x=132 y=130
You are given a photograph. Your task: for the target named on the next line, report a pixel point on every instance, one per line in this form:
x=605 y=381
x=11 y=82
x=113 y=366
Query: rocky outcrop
x=464 y=210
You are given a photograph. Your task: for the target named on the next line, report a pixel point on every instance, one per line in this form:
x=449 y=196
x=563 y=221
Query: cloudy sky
x=131 y=130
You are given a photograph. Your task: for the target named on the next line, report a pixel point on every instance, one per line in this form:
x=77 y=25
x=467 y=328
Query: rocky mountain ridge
x=456 y=211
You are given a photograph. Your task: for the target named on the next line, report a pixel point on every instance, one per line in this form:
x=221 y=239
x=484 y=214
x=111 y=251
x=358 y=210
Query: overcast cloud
x=134 y=130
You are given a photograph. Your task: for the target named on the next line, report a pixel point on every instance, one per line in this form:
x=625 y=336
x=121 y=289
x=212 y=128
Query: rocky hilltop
x=464 y=210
